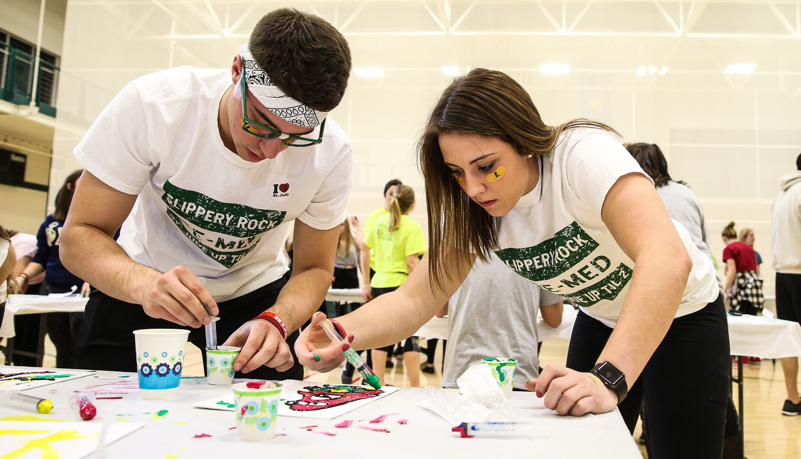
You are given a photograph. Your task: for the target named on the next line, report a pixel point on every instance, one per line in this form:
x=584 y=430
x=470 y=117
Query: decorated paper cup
x=159 y=361
x=220 y=365
x=504 y=372
x=256 y=409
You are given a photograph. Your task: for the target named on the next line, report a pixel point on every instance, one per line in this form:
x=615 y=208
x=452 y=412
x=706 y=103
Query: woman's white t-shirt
x=555 y=237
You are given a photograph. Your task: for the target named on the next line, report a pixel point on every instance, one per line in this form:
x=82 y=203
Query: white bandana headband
x=275 y=100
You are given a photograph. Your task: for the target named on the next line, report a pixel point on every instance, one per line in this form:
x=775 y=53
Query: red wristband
x=340 y=328
x=24 y=276
x=275 y=320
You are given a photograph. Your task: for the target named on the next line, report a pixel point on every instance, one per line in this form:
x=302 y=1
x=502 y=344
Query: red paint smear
x=381 y=418
x=403 y=421
x=255 y=384
x=232 y=428
x=343 y=424
x=330 y=434
x=280 y=435
x=309 y=427
x=201 y=435
x=374 y=429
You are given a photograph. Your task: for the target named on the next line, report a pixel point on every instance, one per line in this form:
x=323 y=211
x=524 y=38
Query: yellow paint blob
x=496 y=174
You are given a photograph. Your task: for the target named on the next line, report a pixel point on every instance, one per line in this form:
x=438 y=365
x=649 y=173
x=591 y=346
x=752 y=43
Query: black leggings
x=62 y=327
x=685 y=383
x=106 y=340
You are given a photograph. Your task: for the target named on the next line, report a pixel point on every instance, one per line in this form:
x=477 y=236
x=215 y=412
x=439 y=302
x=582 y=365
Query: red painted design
x=315 y=398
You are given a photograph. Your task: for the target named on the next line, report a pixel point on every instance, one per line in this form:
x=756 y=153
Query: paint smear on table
x=64 y=440
x=381 y=418
x=374 y=429
x=16 y=379
x=343 y=424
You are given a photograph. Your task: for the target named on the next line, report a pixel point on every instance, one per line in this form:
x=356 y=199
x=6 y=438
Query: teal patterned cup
x=503 y=370
x=220 y=365
x=256 y=409
x=159 y=361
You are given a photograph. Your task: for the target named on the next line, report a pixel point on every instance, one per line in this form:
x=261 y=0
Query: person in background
x=208 y=169
x=683 y=206
x=8 y=259
x=390 y=189
x=495 y=301
x=742 y=284
x=398 y=243
x=786 y=251
x=27 y=342
x=568 y=208
x=62 y=327
x=346 y=276
x=747 y=236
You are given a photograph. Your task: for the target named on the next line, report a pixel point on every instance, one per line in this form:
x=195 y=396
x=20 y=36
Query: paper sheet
x=311 y=400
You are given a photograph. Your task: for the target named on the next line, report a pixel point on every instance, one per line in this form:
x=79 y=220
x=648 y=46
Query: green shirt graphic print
x=565 y=265
x=225 y=232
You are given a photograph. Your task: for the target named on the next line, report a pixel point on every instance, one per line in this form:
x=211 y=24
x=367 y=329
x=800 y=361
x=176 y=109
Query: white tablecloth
x=171 y=428
x=764 y=337
x=38 y=304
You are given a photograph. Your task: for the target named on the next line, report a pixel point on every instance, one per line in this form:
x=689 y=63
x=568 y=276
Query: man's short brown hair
x=304 y=55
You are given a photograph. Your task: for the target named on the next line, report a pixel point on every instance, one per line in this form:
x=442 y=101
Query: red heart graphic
x=283 y=187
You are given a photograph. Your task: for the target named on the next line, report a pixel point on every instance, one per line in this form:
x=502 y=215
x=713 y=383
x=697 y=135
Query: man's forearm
x=95 y=257
x=301 y=297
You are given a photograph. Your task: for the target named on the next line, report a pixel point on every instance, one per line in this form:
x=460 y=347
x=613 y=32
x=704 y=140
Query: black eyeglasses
x=257 y=129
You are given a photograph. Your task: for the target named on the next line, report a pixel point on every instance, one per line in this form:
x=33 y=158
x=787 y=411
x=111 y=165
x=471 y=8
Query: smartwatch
x=612 y=378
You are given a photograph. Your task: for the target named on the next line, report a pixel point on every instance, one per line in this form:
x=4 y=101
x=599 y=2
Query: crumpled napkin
x=479 y=399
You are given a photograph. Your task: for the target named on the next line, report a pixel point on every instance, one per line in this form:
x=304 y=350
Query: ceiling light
x=555 y=69
x=740 y=69
x=664 y=71
x=369 y=72
x=641 y=71
x=450 y=70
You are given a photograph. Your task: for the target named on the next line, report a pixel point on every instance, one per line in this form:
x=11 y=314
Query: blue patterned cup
x=256 y=409
x=159 y=361
x=220 y=365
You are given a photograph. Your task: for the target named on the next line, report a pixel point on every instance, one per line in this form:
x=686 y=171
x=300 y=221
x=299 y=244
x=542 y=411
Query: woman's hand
x=316 y=351
x=570 y=392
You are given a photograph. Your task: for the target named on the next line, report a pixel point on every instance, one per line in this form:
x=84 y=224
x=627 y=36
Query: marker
x=490 y=429
x=85 y=407
x=26 y=401
x=211 y=333
x=352 y=356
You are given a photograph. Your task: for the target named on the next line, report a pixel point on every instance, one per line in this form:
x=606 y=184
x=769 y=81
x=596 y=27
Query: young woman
x=743 y=285
x=568 y=208
x=747 y=236
x=62 y=327
x=398 y=242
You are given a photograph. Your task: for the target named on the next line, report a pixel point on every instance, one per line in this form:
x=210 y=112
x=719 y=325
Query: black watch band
x=612 y=378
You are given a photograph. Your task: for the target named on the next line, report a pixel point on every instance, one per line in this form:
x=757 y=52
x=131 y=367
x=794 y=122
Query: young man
x=205 y=170
x=786 y=222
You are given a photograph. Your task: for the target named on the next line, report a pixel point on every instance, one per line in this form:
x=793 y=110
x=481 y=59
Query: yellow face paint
x=496 y=174
x=459 y=180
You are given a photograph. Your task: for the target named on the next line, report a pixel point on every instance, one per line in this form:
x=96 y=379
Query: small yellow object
x=459 y=180
x=44 y=406
x=496 y=174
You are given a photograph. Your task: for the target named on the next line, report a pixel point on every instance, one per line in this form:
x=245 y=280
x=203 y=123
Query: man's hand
x=179 y=296
x=315 y=342
x=570 y=392
x=262 y=344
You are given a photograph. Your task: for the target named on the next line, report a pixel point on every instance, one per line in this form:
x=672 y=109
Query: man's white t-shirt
x=555 y=237
x=199 y=204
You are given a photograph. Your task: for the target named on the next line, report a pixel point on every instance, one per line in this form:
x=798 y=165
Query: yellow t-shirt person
x=391 y=249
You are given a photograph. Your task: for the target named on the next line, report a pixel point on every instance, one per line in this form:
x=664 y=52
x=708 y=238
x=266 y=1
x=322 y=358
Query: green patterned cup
x=504 y=372
x=220 y=365
x=256 y=409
